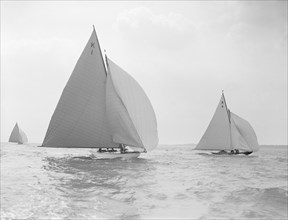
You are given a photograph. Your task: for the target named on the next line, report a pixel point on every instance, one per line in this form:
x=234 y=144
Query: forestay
x=18 y=136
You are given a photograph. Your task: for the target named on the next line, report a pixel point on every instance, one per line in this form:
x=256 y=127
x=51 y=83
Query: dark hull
x=228 y=153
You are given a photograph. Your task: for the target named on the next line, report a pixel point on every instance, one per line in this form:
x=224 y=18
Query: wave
x=259 y=203
x=281 y=159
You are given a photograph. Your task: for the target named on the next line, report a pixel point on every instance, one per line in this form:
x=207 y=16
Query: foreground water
x=171 y=182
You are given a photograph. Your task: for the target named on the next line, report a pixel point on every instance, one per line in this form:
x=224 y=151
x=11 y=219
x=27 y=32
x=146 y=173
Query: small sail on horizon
x=101 y=108
x=227 y=131
x=18 y=136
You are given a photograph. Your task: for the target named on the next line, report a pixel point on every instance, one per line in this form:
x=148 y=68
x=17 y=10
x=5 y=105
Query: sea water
x=171 y=182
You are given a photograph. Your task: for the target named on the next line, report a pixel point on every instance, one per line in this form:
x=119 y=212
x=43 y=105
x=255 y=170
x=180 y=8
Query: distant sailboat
x=18 y=136
x=102 y=108
x=228 y=132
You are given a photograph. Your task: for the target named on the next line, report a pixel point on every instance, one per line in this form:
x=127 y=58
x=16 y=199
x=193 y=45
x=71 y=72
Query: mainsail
x=100 y=108
x=79 y=119
x=217 y=135
x=227 y=131
x=18 y=136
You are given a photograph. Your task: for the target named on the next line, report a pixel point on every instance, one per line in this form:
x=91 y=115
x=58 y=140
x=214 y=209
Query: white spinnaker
x=18 y=136
x=217 y=135
x=23 y=136
x=137 y=106
x=238 y=141
x=79 y=119
x=120 y=124
x=243 y=135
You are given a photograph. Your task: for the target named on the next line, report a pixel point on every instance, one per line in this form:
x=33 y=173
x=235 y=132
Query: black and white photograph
x=144 y=110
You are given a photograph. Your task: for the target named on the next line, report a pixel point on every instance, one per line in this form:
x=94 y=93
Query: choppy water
x=173 y=182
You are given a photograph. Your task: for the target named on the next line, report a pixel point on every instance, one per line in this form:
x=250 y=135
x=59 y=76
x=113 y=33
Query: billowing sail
x=79 y=119
x=130 y=114
x=217 y=135
x=101 y=109
x=243 y=135
x=18 y=135
x=227 y=131
x=120 y=124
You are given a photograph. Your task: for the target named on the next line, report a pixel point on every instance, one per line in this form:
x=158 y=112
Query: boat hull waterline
x=111 y=155
x=233 y=154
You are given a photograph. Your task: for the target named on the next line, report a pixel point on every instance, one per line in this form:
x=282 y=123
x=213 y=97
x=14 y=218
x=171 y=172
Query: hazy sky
x=182 y=54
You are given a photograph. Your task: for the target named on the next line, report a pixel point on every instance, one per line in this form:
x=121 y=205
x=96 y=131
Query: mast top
x=93 y=27
x=105 y=53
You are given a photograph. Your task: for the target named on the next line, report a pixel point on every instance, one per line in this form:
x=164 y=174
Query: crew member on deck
x=121 y=148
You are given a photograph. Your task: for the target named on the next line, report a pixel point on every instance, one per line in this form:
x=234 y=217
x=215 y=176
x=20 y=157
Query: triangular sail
x=18 y=136
x=79 y=119
x=133 y=110
x=243 y=135
x=217 y=135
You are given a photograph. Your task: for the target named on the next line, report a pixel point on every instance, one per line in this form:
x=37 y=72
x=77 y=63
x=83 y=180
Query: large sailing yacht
x=228 y=133
x=102 y=108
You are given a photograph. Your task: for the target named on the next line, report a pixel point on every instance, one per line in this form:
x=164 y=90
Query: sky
x=182 y=53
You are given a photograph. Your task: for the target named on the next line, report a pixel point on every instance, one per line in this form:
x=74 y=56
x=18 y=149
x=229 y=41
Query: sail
x=243 y=135
x=79 y=119
x=217 y=135
x=130 y=114
x=18 y=136
x=120 y=124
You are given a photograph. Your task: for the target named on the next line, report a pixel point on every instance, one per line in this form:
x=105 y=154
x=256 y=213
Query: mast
x=229 y=118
